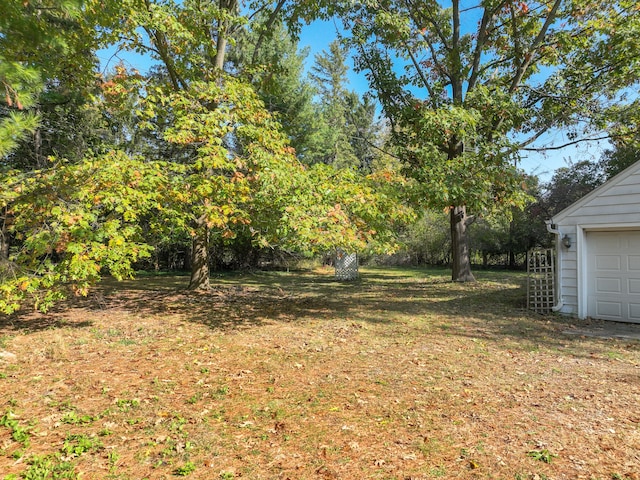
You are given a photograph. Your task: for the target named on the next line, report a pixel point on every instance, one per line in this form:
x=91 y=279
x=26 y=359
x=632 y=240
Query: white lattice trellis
x=346 y=265
x=541 y=280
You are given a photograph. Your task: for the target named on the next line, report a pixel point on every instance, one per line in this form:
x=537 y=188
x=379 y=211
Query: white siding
x=617 y=202
x=613 y=206
x=568 y=272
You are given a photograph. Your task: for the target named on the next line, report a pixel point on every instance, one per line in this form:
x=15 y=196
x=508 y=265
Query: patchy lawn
x=402 y=375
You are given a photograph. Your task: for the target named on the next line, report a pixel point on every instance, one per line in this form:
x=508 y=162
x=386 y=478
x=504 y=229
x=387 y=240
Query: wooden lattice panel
x=541 y=280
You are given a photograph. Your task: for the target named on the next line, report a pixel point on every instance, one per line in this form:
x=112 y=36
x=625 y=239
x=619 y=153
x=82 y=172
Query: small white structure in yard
x=346 y=265
x=598 y=245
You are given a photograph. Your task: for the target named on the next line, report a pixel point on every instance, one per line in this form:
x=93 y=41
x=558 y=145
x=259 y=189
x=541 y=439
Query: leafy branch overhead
x=490 y=78
x=74 y=222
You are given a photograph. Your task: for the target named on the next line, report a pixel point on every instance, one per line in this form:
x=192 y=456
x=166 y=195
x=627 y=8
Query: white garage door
x=613 y=275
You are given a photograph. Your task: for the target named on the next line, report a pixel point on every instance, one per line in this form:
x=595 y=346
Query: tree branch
x=567 y=144
x=162 y=46
x=434 y=25
x=480 y=42
x=377 y=83
x=267 y=27
x=528 y=57
x=420 y=73
x=456 y=73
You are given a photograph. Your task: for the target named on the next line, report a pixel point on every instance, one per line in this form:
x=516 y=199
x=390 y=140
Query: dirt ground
x=603 y=329
x=401 y=375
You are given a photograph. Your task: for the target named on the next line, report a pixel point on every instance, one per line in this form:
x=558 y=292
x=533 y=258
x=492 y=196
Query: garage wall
x=615 y=202
x=612 y=206
x=568 y=271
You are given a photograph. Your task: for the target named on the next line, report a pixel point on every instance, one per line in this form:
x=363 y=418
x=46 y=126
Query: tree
x=329 y=74
x=276 y=69
x=75 y=222
x=20 y=85
x=621 y=156
x=193 y=104
x=190 y=150
x=78 y=221
x=625 y=139
x=230 y=141
x=225 y=134
x=366 y=134
x=569 y=184
x=527 y=228
x=467 y=87
x=238 y=147
x=426 y=241
x=46 y=45
x=513 y=234
x=40 y=43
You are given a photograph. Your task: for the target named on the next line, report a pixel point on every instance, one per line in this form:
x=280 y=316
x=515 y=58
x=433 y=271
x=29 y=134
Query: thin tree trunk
x=512 y=256
x=186 y=259
x=4 y=238
x=200 y=260
x=37 y=148
x=4 y=246
x=461 y=260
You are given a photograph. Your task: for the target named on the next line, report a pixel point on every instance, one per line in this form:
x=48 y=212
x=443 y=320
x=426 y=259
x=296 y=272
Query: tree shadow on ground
x=491 y=310
x=36 y=321
x=238 y=301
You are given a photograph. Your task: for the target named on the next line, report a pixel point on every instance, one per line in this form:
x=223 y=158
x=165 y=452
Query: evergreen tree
x=276 y=68
x=329 y=74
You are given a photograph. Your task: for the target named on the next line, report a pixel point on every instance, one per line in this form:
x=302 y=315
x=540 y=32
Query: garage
x=598 y=252
x=613 y=275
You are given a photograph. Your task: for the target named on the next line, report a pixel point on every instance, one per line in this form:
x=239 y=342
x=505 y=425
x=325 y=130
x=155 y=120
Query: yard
x=401 y=375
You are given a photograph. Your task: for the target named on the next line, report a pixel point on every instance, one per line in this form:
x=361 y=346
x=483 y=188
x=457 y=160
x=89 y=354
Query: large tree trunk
x=200 y=260
x=461 y=261
x=231 y=7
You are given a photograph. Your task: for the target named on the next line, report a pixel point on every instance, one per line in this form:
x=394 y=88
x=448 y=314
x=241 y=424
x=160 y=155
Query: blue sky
x=317 y=37
x=319 y=34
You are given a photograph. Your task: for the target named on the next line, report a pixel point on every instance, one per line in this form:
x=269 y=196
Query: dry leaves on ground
x=401 y=375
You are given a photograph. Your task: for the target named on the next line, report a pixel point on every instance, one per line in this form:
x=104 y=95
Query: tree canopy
x=468 y=85
x=189 y=152
x=38 y=42
x=224 y=140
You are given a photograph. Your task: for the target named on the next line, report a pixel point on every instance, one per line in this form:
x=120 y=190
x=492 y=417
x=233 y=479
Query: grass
x=401 y=374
